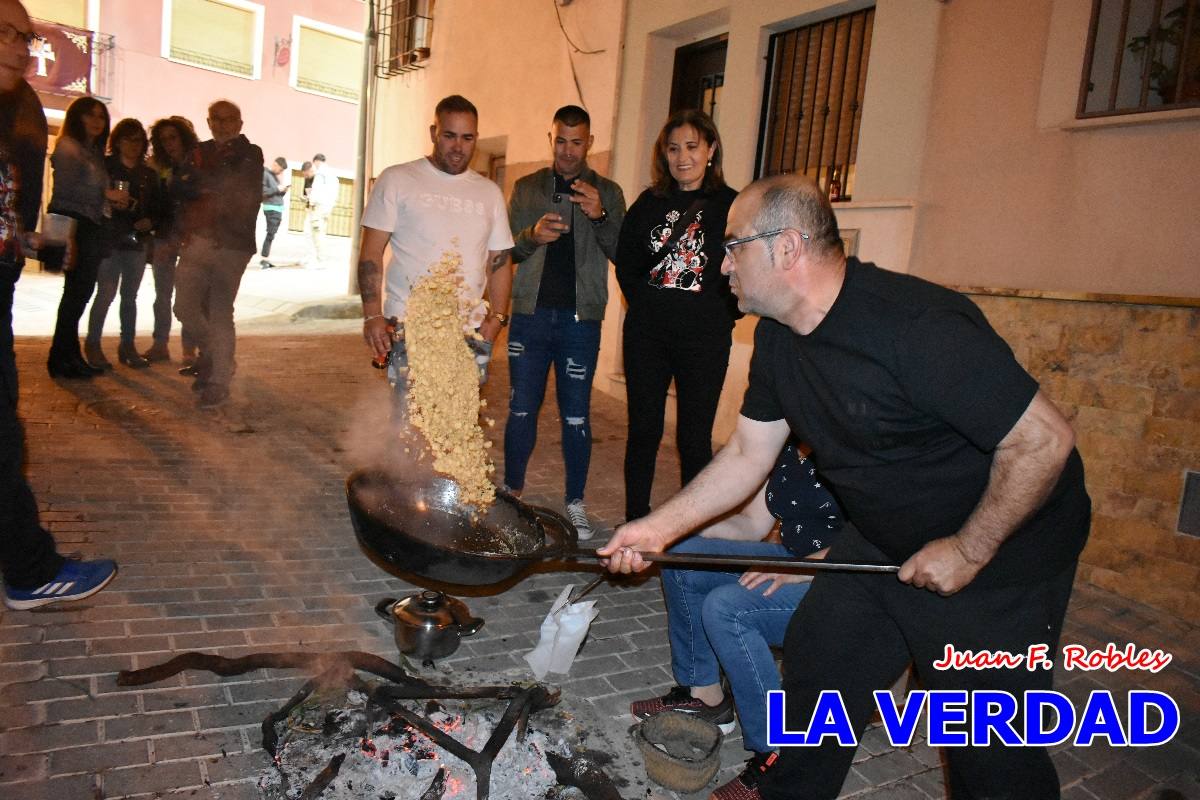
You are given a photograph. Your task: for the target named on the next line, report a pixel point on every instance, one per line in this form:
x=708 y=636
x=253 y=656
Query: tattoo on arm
x=499 y=260
x=370 y=280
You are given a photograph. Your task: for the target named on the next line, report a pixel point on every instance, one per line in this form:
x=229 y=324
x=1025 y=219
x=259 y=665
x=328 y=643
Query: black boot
x=65 y=368
x=128 y=355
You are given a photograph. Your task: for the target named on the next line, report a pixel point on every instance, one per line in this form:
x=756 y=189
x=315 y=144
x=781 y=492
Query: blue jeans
x=535 y=341
x=714 y=624
x=126 y=269
x=397 y=369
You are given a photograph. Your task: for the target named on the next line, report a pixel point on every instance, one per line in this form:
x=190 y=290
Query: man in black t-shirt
x=942 y=450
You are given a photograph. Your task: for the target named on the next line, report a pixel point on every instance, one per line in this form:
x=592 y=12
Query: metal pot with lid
x=428 y=624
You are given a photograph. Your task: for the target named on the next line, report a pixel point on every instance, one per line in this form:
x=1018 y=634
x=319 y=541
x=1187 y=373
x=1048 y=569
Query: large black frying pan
x=421 y=527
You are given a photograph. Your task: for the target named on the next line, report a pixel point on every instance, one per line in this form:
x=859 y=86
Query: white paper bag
x=562 y=632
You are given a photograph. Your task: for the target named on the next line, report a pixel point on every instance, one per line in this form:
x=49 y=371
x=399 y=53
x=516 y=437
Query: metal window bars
x=1142 y=55
x=405 y=34
x=812 y=110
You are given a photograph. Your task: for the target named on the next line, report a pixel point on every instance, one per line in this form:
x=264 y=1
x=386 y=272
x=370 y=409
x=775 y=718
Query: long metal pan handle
x=770 y=563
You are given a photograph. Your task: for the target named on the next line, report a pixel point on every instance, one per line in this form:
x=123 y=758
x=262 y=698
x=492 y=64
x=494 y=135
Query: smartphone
x=560 y=203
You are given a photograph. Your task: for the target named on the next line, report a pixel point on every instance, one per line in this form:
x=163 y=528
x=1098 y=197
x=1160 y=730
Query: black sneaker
x=680 y=699
x=745 y=786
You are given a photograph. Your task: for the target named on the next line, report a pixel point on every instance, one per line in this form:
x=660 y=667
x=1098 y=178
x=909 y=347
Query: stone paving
x=232 y=534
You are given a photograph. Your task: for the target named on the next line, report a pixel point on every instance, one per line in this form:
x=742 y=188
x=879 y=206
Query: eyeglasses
x=733 y=243
x=11 y=35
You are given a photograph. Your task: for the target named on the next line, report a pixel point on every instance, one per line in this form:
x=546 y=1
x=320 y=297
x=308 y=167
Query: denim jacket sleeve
x=79 y=180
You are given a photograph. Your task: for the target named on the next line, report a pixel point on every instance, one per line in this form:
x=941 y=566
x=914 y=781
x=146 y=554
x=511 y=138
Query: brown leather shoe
x=157 y=352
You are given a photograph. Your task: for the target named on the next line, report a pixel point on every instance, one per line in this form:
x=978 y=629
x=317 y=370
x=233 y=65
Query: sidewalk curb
x=348 y=307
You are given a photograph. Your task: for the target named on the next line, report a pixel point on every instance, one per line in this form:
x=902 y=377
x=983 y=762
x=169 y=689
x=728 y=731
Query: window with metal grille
x=813 y=101
x=1142 y=55
x=405 y=35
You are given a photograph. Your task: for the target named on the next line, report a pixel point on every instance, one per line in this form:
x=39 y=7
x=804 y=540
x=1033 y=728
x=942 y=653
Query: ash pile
x=380 y=756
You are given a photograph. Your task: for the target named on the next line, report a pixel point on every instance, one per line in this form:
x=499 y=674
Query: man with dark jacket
x=565 y=221
x=219 y=239
x=274 y=194
x=34 y=573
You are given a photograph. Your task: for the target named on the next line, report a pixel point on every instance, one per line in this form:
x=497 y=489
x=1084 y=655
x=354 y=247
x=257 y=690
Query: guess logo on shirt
x=451 y=204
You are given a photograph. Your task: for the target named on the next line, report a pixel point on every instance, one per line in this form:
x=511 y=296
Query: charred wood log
x=324 y=778
x=584 y=774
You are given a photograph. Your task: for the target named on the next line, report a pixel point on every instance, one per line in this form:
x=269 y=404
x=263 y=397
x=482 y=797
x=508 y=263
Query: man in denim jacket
x=565 y=221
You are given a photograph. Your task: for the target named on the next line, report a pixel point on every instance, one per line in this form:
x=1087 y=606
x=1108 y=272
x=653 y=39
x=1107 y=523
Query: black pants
x=28 y=557
x=78 y=285
x=273 y=218
x=697 y=363
x=855 y=633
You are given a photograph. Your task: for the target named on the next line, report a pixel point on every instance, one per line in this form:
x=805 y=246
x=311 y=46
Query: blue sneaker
x=76 y=580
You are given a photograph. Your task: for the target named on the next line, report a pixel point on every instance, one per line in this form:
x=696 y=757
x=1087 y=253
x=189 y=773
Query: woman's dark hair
x=128 y=128
x=660 y=171
x=187 y=136
x=73 y=128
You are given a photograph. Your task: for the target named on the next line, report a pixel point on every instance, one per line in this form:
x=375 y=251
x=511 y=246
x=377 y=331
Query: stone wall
x=1128 y=378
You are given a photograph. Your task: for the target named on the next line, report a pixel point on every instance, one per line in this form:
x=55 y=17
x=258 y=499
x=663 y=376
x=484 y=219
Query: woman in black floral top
x=679 y=323
x=728 y=621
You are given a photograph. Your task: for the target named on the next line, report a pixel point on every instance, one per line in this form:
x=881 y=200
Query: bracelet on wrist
x=373 y=316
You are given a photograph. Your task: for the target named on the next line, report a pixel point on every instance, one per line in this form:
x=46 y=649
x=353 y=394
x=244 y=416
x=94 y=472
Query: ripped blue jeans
x=551 y=336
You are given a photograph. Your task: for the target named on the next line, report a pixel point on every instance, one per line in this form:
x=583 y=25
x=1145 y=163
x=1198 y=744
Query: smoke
x=381 y=437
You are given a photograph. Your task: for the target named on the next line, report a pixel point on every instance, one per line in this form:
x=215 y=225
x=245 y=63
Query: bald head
x=796 y=202
x=14 y=55
x=224 y=120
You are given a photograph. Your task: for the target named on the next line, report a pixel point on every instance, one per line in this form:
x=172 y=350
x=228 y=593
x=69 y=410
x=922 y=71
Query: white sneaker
x=577 y=513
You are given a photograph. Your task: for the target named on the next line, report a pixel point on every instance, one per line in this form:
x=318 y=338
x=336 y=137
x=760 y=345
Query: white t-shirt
x=324 y=191
x=428 y=213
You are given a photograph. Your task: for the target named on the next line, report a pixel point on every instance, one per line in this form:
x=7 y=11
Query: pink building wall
x=280 y=119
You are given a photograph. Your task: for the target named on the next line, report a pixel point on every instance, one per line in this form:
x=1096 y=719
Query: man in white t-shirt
x=322 y=197
x=424 y=209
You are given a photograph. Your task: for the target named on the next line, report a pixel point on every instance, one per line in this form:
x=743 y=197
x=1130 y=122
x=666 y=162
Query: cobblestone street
x=232 y=536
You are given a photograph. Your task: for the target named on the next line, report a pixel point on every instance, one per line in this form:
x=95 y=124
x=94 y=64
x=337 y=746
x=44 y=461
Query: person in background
x=306 y=172
x=81 y=191
x=679 y=325
x=173 y=140
x=274 y=193
x=219 y=239
x=129 y=232
x=34 y=574
x=423 y=209
x=560 y=290
x=322 y=196
x=728 y=622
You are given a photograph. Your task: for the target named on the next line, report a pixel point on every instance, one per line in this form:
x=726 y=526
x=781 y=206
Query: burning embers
x=397 y=761
x=377 y=745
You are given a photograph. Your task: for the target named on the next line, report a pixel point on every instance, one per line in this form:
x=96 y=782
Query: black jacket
x=224 y=197
x=147 y=204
